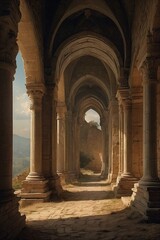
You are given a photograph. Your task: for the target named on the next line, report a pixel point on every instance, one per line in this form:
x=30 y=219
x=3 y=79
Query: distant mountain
x=21 y=154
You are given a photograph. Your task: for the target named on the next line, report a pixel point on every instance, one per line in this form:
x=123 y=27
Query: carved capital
x=35 y=93
x=149 y=70
x=8 y=47
x=124 y=97
x=9 y=18
x=123 y=80
x=137 y=94
x=61 y=110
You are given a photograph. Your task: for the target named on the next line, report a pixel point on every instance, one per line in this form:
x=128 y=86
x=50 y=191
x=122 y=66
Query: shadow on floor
x=90 y=178
x=87 y=195
x=122 y=225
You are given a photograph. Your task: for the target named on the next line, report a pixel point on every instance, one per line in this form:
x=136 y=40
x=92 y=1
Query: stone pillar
x=146 y=194
x=76 y=144
x=114 y=141
x=46 y=131
x=105 y=142
x=121 y=139
x=61 y=109
x=125 y=181
x=55 y=181
x=127 y=136
x=137 y=131
x=11 y=221
x=35 y=187
x=35 y=95
x=69 y=170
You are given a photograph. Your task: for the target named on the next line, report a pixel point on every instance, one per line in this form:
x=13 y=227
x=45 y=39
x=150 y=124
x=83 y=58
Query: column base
x=112 y=178
x=62 y=178
x=70 y=177
x=56 y=187
x=124 y=185
x=11 y=220
x=34 y=192
x=146 y=200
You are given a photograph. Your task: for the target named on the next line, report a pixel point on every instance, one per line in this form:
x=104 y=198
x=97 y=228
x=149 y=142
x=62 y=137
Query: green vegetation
x=84 y=159
x=21 y=154
x=94 y=124
x=17 y=181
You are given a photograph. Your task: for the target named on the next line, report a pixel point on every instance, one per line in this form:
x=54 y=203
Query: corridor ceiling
x=84 y=46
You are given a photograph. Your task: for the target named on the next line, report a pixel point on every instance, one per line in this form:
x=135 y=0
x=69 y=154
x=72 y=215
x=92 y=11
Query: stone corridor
x=87 y=210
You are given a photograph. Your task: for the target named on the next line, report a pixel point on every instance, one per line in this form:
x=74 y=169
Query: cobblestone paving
x=88 y=211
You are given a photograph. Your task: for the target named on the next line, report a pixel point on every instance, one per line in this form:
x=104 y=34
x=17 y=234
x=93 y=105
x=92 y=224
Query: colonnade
x=68 y=143
x=146 y=193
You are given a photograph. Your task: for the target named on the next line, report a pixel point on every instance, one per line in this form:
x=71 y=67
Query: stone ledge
x=124 y=186
x=35 y=195
x=32 y=198
x=126 y=201
x=146 y=200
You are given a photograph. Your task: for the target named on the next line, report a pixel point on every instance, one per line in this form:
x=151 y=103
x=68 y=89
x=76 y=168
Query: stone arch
x=100 y=6
x=29 y=46
x=82 y=81
x=88 y=45
x=84 y=105
x=91 y=103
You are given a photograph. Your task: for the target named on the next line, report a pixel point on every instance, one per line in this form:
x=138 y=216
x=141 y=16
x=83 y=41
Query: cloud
x=91 y=115
x=21 y=128
x=21 y=109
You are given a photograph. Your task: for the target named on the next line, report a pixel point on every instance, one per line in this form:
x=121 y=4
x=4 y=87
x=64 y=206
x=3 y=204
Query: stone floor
x=87 y=211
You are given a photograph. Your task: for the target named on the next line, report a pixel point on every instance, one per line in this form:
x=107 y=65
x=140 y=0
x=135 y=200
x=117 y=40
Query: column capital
x=9 y=18
x=61 y=110
x=68 y=114
x=35 y=93
x=137 y=94
x=124 y=97
x=123 y=79
x=149 y=70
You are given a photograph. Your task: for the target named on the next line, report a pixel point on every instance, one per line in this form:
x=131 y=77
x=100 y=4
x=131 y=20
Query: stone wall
x=91 y=145
x=143 y=19
x=11 y=221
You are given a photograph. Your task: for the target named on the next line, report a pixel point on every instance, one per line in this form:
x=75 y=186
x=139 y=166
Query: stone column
x=150 y=173
x=61 y=109
x=127 y=137
x=11 y=221
x=137 y=131
x=55 y=181
x=77 y=122
x=105 y=142
x=46 y=130
x=69 y=171
x=35 y=94
x=114 y=141
x=126 y=181
x=121 y=141
x=35 y=187
x=146 y=194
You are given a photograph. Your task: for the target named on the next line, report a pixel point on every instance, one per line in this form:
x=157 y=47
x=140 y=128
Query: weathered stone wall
x=143 y=19
x=11 y=221
x=91 y=145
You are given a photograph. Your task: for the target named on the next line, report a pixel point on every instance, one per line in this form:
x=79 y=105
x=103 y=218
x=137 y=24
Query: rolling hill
x=21 y=154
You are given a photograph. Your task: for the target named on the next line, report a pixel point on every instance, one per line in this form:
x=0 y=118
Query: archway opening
x=21 y=126
x=90 y=144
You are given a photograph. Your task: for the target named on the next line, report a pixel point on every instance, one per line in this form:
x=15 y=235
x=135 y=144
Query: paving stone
x=87 y=219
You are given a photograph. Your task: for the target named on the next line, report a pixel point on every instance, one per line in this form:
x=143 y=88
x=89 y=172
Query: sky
x=21 y=111
x=21 y=102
